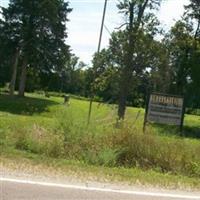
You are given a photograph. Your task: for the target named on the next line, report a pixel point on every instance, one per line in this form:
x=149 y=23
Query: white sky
x=85 y=22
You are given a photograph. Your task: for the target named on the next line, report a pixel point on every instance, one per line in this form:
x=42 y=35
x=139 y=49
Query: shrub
x=39 y=140
x=152 y=151
x=125 y=146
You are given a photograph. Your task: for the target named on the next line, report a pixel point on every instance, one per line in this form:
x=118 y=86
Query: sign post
x=165 y=109
x=145 y=115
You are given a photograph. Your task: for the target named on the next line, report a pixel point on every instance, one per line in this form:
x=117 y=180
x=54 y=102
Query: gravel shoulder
x=23 y=170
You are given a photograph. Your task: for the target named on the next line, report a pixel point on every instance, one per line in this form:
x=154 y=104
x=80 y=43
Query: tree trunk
x=126 y=78
x=122 y=103
x=128 y=70
x=22 y=83
x=14 y=72
x=124 y=90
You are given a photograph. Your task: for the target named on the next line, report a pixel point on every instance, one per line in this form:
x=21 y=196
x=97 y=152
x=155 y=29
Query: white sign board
x=165 y=109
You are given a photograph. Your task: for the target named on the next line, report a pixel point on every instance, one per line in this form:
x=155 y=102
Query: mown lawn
x=37 y=127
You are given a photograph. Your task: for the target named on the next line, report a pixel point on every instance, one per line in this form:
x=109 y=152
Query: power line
x=107 y=30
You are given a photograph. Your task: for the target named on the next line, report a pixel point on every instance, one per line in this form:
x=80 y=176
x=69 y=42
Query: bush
x=126 y=147
x=39 y=140
x=193 y=111
x=161 y=153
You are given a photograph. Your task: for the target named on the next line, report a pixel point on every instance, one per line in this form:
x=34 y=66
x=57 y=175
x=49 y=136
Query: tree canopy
x=38 y=29
x=141 y=57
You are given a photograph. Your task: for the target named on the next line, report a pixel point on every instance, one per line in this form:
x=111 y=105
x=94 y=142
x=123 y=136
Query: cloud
x=93 y=1
x=171 y=11
x=84 y=27
x=85 y=44
x=4 y=3
x=85 y=22
x=85 y=56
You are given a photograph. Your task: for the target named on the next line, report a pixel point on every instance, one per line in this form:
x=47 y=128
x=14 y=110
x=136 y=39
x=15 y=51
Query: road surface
x=13 y=189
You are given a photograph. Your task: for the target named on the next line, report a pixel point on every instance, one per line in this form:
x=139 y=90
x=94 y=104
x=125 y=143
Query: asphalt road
x=11 y=190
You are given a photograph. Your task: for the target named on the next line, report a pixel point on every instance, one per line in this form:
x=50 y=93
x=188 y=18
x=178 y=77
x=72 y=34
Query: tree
x=192 y=15
x=160 y=73
x=179 y=45
x=73 y=76
x=150 y=68
x=39 y=31
x=139 y=18
x=182 y=47
x=7 y=48
x=106 y=83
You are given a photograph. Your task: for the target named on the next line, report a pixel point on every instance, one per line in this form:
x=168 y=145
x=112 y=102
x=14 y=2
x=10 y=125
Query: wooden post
x=145 y=122
x=146 y=113
x=66 y=99
x=90 y=111
x=182 y=118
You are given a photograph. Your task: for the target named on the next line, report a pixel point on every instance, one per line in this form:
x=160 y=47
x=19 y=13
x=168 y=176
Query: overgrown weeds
x=125 y=147
x=40 y=141
x=149 y=151
x=61 y=132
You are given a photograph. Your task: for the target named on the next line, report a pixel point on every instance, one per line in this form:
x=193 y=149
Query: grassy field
x=45 y=130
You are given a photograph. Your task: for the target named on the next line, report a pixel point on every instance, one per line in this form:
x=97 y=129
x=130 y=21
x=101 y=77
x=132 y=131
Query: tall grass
x=149 y=151
x=60 y=131
x=38 y=140
x=103 y=145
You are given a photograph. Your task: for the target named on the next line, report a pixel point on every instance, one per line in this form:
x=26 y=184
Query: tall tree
x=106 y=83
x=139 y=15
x=7 y=46
x=193 y=12
x=192 y=15
x=179 y=45
x=39 y=29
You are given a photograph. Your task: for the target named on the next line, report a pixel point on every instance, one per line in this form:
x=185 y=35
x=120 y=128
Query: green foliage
x=38 y=141
x=134 y=64
x=134 y=55
x=61 y=131
x=106 y=83
x=38 y=34
x=160 y=153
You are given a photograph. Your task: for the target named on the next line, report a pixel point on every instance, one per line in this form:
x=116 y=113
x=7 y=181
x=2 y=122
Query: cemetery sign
x=165 y=109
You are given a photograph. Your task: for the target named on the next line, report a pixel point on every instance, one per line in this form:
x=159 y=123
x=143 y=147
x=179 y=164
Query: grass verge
x=40 y=130
x=21 y=162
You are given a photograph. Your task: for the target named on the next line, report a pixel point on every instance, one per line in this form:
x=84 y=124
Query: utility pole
x=98 y=50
